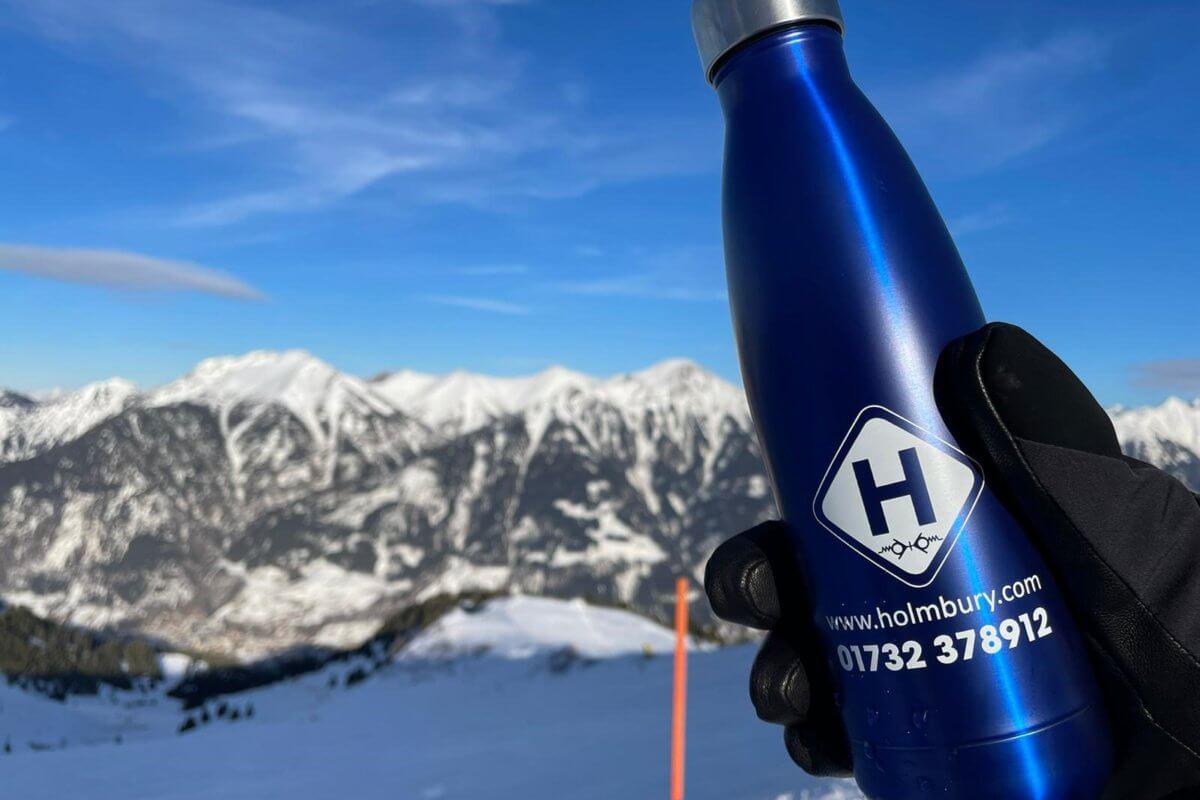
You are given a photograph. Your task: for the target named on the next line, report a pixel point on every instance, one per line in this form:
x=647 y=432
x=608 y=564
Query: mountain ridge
x=1167 y=435
x=269 y=500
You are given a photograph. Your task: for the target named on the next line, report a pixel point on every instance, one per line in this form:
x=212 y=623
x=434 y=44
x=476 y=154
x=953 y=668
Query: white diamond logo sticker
x=898 y=495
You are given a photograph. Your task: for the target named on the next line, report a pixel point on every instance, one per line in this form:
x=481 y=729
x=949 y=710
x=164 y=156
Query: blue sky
x=499 y=185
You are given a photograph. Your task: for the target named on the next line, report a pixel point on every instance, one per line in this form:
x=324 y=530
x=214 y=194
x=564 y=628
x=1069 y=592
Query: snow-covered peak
x=670 y=370
x=1150 y=430
x=13 y=400
x=550 y=382
x=404 y=387
x=307 y=386
x=261 y=375
x=28 y=428
x=679 y=382
x=463 y=401
x=114 y=393
x=522 y=627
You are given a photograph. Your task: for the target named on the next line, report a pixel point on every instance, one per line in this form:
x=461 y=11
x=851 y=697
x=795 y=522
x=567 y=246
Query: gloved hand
x=1122 y=537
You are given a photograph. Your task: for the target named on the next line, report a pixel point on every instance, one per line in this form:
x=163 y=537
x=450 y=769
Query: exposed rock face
x=269 y=500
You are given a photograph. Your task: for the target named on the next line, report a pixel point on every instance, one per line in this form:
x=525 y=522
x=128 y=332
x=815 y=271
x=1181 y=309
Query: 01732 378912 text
x=963 y=645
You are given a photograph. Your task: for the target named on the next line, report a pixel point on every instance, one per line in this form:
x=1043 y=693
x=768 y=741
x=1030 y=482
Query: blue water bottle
x=959 y=672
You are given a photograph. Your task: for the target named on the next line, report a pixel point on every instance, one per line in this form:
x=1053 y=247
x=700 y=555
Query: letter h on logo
x=913 y=487
x=934 y=490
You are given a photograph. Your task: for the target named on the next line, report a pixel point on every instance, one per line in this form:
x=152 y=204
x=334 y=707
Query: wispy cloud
x=652 y=287
x=122 y=270
x=5 y=123
x=485 y=270
x=311 y=98
x=470 y=3
x=488 y=304
x=984 y=219
x=1003 y=105
x=682 y=273
x=1180 y=375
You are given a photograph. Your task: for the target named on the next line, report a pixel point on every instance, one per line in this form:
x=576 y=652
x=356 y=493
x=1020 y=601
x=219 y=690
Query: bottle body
x=958 y=668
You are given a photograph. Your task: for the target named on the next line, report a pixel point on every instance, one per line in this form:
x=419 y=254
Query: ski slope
x=521 y=721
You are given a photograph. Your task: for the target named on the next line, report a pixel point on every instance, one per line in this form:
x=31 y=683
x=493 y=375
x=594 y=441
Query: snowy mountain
x=12 y=400
x=461 y=401
x=483 y=706
x=269 y=500
x=1166 y=435
x=28 y=427
x=523 y=627
x=311 y=390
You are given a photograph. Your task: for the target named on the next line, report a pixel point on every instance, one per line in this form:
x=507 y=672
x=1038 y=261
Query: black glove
x=1122 y=537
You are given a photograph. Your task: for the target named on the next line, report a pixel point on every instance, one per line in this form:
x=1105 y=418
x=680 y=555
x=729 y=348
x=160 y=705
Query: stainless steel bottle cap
x=721 y=25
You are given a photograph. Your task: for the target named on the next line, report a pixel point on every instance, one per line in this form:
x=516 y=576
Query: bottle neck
x=804 y=51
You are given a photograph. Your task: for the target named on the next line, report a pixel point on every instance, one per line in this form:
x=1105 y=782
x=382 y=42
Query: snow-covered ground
x=518 y=722
x=524 y=627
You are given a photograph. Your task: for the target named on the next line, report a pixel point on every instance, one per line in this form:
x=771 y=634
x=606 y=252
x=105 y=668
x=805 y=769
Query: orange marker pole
x=679 y=710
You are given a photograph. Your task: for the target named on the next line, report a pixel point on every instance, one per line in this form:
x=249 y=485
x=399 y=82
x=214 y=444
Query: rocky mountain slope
x=267 y=500
x=28 y=427
x=1166 y=435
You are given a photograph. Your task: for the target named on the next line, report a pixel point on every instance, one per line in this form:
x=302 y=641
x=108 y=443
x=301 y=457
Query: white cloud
x=470 y=3
x=122 y=270
x=486 y=270
x=422 y=99
x=1003 y=105
x=488 y=304
x=683 y=273
x=1175 y=375
x=985 y=219
x=648 y=286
